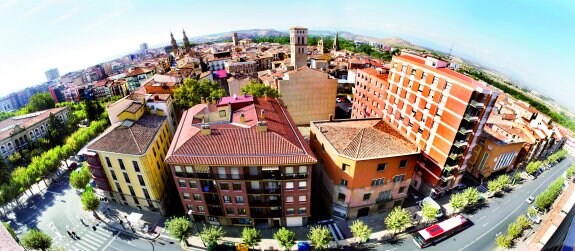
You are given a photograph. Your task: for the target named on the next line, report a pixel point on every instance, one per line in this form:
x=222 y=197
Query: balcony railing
x=289 y=176
x=460 y=143
x=454 y=156
x=265 y=191
x=263 y=203
x=382 y=200
x=262 y=176
x=215 y=211
x=464 y=130
x=477 y=104
x=470 y=117
x=264 y=214
x=207 y=176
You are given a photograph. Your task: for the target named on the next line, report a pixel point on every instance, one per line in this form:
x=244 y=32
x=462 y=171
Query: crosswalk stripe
x=83 y=246
x=93 y=239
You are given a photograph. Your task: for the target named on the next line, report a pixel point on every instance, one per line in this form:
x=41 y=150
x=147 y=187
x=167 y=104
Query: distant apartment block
x=242 y=162
x=441 y=111
x=367 y=166
x=52 y=74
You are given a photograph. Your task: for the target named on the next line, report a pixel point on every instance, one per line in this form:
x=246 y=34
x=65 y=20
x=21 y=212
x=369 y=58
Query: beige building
x=157 y=104
x=309 y=94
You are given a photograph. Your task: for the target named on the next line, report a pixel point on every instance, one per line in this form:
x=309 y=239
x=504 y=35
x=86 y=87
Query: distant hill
x=253 y=33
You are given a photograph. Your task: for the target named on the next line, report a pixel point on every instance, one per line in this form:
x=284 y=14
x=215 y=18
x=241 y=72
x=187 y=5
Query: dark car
x=73 y=166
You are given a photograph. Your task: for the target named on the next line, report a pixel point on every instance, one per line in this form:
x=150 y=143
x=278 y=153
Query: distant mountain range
x=253 y=33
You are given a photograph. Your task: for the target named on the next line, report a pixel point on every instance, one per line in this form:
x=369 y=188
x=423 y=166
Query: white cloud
x=36 y=8
x=70 y=13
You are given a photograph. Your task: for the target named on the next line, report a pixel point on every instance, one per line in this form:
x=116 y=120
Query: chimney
x=265 y=97
x=242 y=118
x=205 y=129
x=262 y=115
x=331 y=117
x=245 y=94
x=262 y=126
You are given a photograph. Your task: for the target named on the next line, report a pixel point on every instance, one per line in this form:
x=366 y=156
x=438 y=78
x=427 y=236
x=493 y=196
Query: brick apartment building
x=242 y=162
x=438 y=109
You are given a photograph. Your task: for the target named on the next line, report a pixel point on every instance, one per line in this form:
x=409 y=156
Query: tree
x=457 y=201
x=514 y=230
x=494 y=186
x=285 y=237
x=16 y=159
x=522 y=221
x=34 y=239
x=39 y=102
x=361 y=231
x=398 y=219
x=79 y=179
x=251 y=236
x=93 y=110
x=533 y=167
x=319 y=236
x=89 y=201
x=212 y=234
x=471 y=195
x=179 y=227
x=10 y=230
x=191 y=92
x=428 y=212
x=503 y=241
x=532 y=211
x=504 y=181
x=258 y=89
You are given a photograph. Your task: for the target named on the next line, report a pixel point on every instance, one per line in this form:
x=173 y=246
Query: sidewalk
x=36 y=188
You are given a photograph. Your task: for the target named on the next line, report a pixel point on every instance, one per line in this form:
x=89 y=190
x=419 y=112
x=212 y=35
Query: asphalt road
x=493 y=218
x=59 y=209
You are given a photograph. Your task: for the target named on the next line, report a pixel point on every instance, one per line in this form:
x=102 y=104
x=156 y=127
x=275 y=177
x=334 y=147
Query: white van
x=433 y=204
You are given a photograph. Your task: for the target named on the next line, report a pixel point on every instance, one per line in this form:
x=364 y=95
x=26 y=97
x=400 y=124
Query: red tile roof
x=375 y=73
x=241 y=144
x=365 y=138
x=25 y=121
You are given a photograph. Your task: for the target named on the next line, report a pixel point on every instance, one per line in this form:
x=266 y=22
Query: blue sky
x=532 y=41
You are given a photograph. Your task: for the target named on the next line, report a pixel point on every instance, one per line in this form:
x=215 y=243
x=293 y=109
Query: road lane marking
x=504 y=219
x=115 y=248
x=112 y=240
x=481 y=218
x=495 y=209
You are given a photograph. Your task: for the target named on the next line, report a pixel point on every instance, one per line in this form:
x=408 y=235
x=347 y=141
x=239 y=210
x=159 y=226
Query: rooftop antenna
x=450 y=50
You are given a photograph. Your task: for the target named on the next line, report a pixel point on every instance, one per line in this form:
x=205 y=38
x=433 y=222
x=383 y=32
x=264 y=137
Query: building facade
x=242 y=162
x=127 y=161
x=440 y=110
x=367 y=166
x=298 y=46
x=157 y=104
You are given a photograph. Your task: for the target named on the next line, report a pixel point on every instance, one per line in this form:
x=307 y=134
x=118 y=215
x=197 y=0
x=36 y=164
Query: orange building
x=368 y=165
x=438 y=109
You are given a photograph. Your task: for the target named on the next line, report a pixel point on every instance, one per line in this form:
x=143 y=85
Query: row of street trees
x=514 y=230
x=545 y=199
x=497 y=185
x=532 y=167
x=469 y=197
x=21 y=179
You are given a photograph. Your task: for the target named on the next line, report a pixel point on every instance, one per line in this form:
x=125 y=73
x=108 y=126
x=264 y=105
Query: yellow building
x=129 y=156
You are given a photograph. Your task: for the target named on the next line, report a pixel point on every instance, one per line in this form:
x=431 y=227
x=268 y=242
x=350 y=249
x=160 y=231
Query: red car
x=73 y=166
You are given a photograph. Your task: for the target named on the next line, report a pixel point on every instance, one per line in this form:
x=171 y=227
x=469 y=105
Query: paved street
x=493 y=218
x=58 y=209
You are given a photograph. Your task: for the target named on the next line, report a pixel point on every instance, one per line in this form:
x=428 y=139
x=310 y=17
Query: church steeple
x=320 y=48
x=174 y=44
x=187 y=46
x=336 y=43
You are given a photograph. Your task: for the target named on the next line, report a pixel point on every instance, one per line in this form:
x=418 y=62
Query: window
x=302 y=170
x=381 y=167
x=186 y=196
x=343 y=182
x=341 y=197
x=113 y=175
x=239 y=199
x=190 y=207
x=197 y=197
x=222 y=113
x=413 y=72
x=193 y=184
x=241 y=211
x=229 y=210
x=302 y=210
x=132 y=191
x=178 y=169
x=344 y=167
x=398 y=178
x=289 y=185
x=289 y=199
x=235 y=173
x=224 y=186
x=302 y=184
x=403 y=163
x=141 y=180
x=121 y=164
x=189 y=169
x=136 y=167
x=146 y=194
x=289 y=170
x=424 y=75
x=366 y=196
x=237 y=186
x=181 y=182
x=401 y=190
x=201 y=209
x=126 y=177
x=108 y=162
x=377 y=182
x=227 y=199
x=302 y=198
x=290 y=211
x=118 y=187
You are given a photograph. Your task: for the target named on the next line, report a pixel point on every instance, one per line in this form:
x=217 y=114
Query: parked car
x=534 y=218
x=530 y=199
x=459 y=187
x=73 y=165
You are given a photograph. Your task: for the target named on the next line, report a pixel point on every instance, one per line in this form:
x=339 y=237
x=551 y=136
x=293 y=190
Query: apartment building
x=438 y=109
x=367 y=166
x=158 y=104
x=127 y=161
x=242 y=162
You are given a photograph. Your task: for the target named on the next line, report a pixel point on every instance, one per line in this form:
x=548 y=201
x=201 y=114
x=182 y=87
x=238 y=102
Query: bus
x=440 y=231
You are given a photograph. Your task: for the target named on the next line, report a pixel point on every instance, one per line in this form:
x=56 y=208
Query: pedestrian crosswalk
x=89 y=240
x=333 y=228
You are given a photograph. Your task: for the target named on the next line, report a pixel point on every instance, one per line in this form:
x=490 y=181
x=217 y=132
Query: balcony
x=255 y=213
x=215 y=211
x=454 y=156
x=212 y=200
x=383 y=200
x=265 y=191
x=265 y=203
x=464 y=130
x=470 y=117
x=477 y=104
x=205 y=176
x=208 y=187
x=293 y=176
x=460 y=143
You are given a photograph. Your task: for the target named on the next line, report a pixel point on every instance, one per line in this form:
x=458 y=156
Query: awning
x=134 y=218
x=270 y=168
